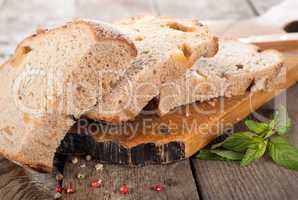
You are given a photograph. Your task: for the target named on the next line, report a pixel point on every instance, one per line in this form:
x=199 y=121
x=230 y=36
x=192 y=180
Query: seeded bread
x=167 y=48
x=50 y=81
x=235 y=69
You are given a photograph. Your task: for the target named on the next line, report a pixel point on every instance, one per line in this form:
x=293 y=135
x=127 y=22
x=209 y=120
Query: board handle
x=282 y=42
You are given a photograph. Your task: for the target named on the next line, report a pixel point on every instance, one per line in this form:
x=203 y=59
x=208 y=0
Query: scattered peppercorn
x=59 y=177
x=83 y=165
x=158 y=188
x=124 y=189
x=80 y=176
x=75 y=160
x=99 y=167
x=96 y=183
x=59 y=189
x=70 y=189
x=57 y=195
x=88 y=157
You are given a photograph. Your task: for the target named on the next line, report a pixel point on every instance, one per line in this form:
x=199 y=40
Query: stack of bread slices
x=110 y=72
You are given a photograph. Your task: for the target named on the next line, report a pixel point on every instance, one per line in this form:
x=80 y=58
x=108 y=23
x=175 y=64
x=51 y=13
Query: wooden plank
x=202 y=10
x=109 y=11
x=176 y=179
x=271 y=22
x=15 y=26
x=20 y=184
x=261 y=180
x=264 y=5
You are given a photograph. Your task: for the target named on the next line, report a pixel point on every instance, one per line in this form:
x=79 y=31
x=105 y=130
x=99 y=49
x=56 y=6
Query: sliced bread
x=167 y=49
x=50 y=81
x=236 y=68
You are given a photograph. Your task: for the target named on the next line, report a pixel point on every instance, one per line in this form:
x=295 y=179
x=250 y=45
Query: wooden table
x=190 y=179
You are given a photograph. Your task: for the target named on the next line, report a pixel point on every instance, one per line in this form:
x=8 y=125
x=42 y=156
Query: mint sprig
x=249 y=146
x=283 y=153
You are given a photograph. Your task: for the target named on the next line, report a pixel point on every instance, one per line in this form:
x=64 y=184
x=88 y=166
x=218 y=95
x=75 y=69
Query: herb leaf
x=227 y=154
x=207 y=155
x=239 y=142
x=256 y=127
x=283 y=153
x=251 y=145
x=281 y=121
x=215 y=146
x=219 y=155
x=253 y=154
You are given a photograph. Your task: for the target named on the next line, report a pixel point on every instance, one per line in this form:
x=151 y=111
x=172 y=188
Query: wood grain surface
x=211 y=9
x=261 y=180
x=215 y=180
x=176 y=179
x=18 y=183
x=263 y=6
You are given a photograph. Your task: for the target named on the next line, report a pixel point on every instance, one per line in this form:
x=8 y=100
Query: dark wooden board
x=177 y=180
x=173 y=137
x=262 y=180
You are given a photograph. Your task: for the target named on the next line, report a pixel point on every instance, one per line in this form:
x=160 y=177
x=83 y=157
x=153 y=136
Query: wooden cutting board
x=178 y=135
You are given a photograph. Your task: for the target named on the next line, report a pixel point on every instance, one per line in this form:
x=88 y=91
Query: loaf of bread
x=50 y=81
x=59 y=75
x=167 y=48
x=235 y=69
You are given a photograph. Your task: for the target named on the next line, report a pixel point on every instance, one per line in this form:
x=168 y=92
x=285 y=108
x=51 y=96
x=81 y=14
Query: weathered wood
x=211 y=9
x=261 y=180
x=176 y=179
x=14 y=26
x=19 y=184
x=110 y=11
x=264 y=5
x=18 y=19
x=271 y=22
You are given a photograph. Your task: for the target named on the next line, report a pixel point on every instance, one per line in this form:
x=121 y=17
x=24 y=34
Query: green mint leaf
x=227 y=154
x=256 y=127
x=239 y=142
x=207 y=155
x=281 y=121
x=215 y=146
x=268 y=133
x=254 y=153
x=283 y=153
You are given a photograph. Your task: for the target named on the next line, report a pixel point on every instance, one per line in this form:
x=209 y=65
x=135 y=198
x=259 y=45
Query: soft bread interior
x=52 y=79
x=167 y=48
x=236 y=68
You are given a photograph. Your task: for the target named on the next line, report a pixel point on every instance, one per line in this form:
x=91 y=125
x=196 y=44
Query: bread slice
x=236 y=68
x=167 y=49
x=51 y=80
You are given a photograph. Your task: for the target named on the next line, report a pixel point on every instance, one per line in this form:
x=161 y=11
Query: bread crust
x=37 y=138
x=231 y=84
x=183 y=43
x=100 y=30
x=32 y=141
